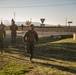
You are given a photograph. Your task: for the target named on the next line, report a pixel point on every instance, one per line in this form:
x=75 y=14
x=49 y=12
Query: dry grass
x=52 y=57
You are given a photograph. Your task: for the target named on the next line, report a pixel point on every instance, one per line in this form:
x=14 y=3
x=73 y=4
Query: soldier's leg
x=28 y=47
x=32 y=51
x=1 y=48
x=12 y=40
x=1 y=45
x=13 y=35
x=15 y=40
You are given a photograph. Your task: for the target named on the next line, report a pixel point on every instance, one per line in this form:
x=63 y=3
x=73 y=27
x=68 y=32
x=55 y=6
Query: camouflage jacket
x=30 y=36
x=13 y=27
x=2 y=32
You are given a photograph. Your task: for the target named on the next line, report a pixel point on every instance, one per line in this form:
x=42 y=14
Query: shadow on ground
x=45 y=50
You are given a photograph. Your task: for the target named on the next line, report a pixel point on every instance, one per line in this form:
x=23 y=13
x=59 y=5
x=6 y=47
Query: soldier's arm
x=36 y=37
x=4 y=33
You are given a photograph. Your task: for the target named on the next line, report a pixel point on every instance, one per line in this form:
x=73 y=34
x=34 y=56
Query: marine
x=30 y=37
x=2 y=36
x=13 y=29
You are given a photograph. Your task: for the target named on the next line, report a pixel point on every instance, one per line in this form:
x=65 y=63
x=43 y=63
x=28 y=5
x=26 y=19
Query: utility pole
x=1 y=19
x=66 y=22
x=14 y=16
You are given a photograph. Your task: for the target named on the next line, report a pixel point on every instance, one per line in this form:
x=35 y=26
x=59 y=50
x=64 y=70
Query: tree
x=28 y=23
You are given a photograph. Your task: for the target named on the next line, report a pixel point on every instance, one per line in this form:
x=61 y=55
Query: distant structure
x=27 y=23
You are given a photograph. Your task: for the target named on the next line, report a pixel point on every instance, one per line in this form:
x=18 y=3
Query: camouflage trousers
x=1 y=44
x=13 y=40
x=30 y=49
x=13 y=36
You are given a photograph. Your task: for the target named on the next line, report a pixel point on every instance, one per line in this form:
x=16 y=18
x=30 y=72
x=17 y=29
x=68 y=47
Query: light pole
x=14 y=16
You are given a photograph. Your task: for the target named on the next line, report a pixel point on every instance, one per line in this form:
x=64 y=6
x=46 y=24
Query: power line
x=38 y=6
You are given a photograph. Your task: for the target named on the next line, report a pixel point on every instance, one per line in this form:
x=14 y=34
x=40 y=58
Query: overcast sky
x=54 y=11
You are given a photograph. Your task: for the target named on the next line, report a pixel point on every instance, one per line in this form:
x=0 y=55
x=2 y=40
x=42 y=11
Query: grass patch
x=52 y=57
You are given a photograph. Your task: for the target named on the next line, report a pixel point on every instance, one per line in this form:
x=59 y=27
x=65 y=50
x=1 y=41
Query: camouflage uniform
x=2 y=35
x=13 y=29
x=29 y=38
